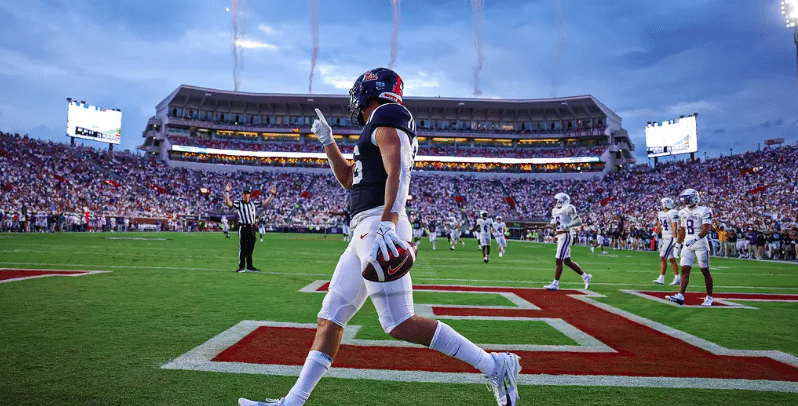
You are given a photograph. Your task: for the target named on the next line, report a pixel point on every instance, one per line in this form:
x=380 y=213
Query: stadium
x=120 y=287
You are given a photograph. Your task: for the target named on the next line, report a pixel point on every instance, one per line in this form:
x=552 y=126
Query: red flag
x=255 y=194
x=8 y=187
x=59 y=177
x=305 y=194
x=458 y=199
x=509 y=200
x=758 y=189
x=113 y=183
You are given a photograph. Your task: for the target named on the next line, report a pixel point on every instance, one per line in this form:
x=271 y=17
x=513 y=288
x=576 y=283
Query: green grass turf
x=101 y=339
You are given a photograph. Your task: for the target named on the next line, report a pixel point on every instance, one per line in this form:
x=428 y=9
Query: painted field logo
x=11 y=275
x=613 y=348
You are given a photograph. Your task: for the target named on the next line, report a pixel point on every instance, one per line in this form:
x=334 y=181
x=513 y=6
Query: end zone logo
x=613 y=348
x=11 y=275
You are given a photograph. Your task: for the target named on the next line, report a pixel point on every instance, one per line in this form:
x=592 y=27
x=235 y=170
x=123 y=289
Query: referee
x=247 y=220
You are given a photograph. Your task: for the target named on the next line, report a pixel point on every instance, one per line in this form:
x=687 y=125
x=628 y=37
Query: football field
x=162 y=319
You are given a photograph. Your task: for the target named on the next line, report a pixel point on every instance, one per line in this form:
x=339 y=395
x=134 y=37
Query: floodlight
x=789 y=9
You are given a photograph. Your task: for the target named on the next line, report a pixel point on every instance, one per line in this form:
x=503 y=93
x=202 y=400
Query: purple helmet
x=380 y=83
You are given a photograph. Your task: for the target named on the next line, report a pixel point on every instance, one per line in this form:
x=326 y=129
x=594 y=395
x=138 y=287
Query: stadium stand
x=56 y=184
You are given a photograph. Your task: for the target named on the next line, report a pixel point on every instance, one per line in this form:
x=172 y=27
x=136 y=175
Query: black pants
x=246 y=244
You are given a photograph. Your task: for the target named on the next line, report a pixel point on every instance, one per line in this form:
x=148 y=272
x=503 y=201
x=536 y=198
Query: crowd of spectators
x=430 y=150
x=48 y=185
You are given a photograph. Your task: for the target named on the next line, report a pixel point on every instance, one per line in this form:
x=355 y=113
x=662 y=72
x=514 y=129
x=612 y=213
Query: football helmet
x=498 y=218
x=561 y=199
x=380 y=83
x=690 y=197
x=483 y=214
x=666 y=202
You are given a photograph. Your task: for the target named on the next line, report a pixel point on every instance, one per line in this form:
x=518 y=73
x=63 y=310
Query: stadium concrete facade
x=211 y=129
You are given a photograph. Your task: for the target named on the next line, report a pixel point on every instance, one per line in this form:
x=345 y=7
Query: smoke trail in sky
x=314 y=32
x=397 y=16
x=238 y=18
x=559 y=49
x=476 y=10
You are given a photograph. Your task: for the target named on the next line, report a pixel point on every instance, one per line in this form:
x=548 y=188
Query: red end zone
x=640 y=352
x=12 y=274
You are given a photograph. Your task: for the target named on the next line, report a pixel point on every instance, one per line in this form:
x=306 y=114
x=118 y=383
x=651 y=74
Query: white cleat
x=677 y=298
x=708 y=301
x=587 y=280
x=503 y=381
x=676 y=281
x=659 y=281
x=266 y=402
x=552 y=286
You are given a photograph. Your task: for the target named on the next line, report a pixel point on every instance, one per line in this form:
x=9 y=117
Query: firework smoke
x=397 y=17
x=238 y=18
x=477 y=15
x=562 y=43
x=314 y=32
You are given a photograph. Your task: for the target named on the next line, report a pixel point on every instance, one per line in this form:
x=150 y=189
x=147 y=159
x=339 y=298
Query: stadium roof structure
x=584 y=107
x=195 y=113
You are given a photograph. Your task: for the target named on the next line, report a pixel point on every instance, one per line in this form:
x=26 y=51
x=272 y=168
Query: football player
x=563 y=218
x=379 y=180
x=696 y=222
x=499 y=229
x=484 y=227
x=417 y=229
x=432 y=231
x=667 y=222
x=454 y=233
x=262 y=227
x=225 y=227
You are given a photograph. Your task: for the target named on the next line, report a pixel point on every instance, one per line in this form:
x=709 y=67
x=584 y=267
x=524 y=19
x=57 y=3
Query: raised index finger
x=321 y=116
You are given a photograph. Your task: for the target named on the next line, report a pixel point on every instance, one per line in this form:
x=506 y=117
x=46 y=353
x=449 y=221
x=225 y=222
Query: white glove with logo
x=691 y=241
x=386 y=239
x=322 y=129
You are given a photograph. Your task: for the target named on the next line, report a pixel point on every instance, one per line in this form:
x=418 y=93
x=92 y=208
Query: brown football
x=395 y=267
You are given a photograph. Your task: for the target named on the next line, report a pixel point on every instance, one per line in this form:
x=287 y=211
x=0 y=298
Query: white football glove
x=322 y=130
x=386 y=239
x=677 y=249
x=688 y=243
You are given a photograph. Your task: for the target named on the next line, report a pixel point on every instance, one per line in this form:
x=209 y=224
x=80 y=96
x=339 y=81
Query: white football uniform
x=484 y=231
x=225 y=224
x=454 y=232
x=559 y=216
x=498 y=233
x=692 y=220
x=666 y=219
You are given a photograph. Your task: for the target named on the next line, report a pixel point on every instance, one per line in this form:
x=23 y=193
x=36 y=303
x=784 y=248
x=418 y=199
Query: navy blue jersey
x=433 y=226
x=368 y=183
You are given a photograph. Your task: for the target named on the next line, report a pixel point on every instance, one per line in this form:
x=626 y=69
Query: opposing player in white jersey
x=695 y=224
x=379 y=182
x=225 y=227
x=484 y=227
x=498 y=233
x=667 y=223
x=563 y=218
x=454 y=233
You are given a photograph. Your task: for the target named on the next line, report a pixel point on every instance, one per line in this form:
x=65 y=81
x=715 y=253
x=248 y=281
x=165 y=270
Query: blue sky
x=733 y=62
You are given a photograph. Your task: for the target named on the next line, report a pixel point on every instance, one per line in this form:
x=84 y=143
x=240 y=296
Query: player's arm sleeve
x=576 y=221
x=397 y=158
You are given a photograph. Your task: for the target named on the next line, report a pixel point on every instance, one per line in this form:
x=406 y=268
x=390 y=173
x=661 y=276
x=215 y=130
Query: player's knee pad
x=393 y=301
x=339 y=309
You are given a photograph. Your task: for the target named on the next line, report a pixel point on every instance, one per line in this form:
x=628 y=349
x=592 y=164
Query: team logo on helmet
x=380 y=83
x=690 y=197
x=561 y=199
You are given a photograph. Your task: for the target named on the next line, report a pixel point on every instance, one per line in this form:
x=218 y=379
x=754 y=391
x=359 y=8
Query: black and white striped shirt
x=247 y=211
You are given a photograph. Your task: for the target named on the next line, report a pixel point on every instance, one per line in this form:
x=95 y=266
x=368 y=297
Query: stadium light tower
x=789 y=9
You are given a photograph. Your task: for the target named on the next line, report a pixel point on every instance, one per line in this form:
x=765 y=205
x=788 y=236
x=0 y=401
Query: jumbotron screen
x=94 y=123
x=679 y=136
